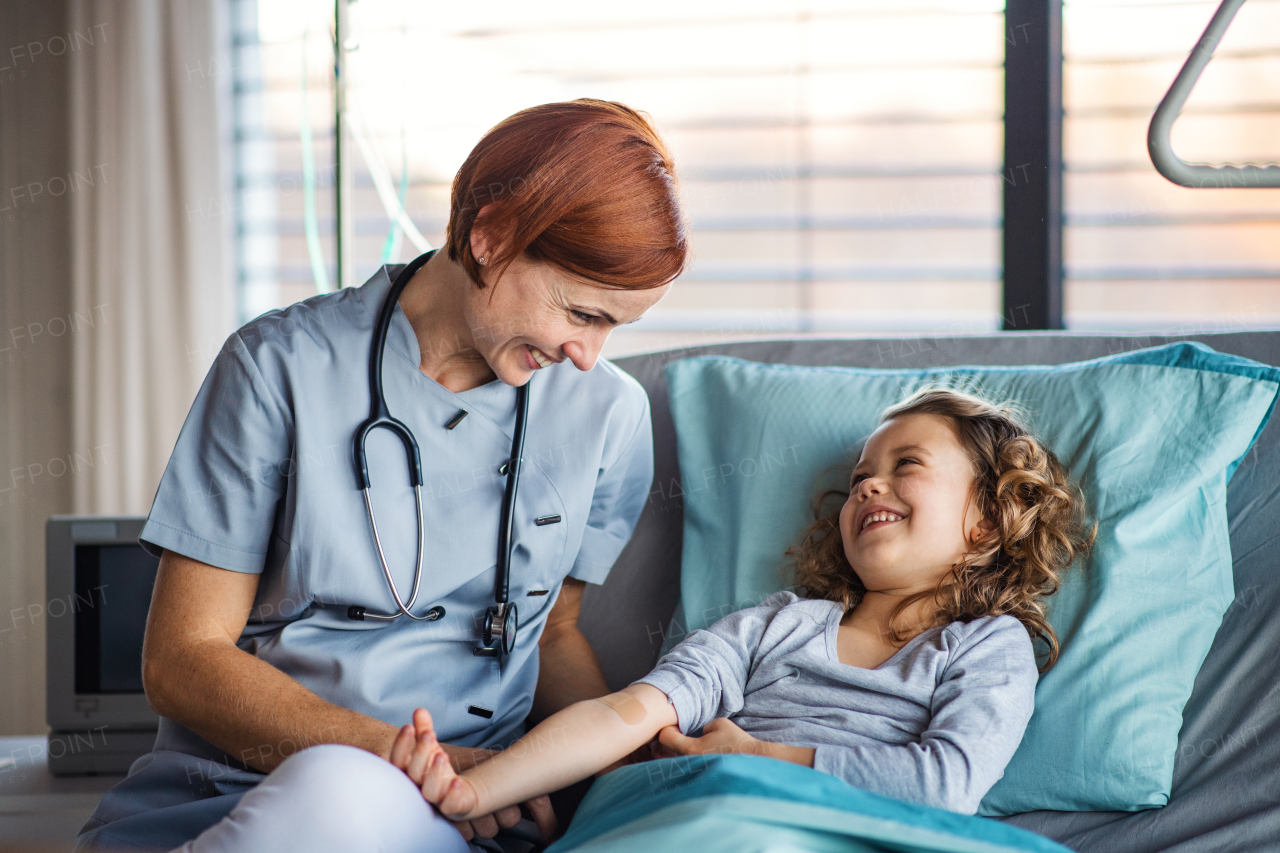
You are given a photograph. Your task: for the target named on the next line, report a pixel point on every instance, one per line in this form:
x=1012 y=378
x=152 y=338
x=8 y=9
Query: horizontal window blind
x=282 y=66
x=839 y=161
x=1140 y=252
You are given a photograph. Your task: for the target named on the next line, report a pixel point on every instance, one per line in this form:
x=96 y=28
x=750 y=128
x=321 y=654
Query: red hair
x=587 y=186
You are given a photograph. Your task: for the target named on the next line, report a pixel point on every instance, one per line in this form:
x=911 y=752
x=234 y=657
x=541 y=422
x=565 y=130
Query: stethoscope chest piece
x=500 y=625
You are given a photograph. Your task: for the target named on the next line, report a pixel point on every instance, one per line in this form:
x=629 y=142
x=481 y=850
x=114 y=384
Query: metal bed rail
x=1159 y=144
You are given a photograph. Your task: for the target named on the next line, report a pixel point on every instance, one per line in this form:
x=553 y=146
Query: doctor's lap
x=332 y=797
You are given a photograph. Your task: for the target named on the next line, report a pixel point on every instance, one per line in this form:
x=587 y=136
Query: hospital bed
x=1226 y=790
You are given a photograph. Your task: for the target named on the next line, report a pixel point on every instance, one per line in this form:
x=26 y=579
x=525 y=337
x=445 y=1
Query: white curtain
x=151 y=238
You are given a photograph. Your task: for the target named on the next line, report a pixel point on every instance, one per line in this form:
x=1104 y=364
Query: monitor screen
x=112 y=594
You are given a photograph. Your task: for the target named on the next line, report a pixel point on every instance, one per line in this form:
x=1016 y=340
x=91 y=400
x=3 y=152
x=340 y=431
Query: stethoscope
x=498 y=636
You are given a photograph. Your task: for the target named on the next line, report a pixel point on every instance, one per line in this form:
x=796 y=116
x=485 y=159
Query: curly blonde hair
x=1020 y=486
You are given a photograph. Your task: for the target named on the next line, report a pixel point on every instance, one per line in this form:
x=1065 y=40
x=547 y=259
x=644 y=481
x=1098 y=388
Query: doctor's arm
x=568 y=669
x=193 y=673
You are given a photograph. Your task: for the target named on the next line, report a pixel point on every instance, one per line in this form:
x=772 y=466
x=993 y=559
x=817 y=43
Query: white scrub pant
x=331 y=797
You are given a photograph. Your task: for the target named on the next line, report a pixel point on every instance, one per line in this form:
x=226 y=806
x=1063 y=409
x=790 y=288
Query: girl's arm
x=566 y=747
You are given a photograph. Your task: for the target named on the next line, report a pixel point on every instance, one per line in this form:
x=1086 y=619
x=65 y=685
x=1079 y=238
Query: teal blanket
x=744 y=803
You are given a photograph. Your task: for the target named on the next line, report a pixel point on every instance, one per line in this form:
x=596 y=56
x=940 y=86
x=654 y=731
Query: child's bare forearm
x=569 y=746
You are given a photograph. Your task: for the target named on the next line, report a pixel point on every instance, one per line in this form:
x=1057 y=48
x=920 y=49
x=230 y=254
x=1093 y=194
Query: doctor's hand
x=434 y=766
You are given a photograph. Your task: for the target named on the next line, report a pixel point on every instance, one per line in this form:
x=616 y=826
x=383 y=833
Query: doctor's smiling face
x=575 y=209
x=537 y=315
x=533 y=316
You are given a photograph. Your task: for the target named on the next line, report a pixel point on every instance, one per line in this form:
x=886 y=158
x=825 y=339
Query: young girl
x=909 y=670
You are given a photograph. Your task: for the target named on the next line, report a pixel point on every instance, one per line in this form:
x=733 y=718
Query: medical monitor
x=99 y=582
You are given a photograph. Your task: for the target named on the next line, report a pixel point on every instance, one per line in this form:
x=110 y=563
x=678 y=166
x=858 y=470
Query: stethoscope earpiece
x=358 y=614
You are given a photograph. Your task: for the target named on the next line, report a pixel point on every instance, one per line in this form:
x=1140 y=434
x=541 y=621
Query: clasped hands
x=434 y=770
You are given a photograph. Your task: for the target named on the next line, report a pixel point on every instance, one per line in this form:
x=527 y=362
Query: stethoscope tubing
x=501 y=620
x=379 y=414
x=431 y=615
x=502 y=587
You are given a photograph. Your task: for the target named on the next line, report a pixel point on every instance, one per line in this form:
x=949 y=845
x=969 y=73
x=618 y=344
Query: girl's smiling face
x=910 y=515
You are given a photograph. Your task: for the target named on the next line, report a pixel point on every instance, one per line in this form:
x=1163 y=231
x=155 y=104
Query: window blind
x=1140 y=252
x=840 y=161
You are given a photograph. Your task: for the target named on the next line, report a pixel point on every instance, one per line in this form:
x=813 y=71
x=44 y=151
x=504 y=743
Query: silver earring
x=480 y=260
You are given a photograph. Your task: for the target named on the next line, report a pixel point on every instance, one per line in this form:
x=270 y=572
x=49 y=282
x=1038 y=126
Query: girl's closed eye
x=858 y=478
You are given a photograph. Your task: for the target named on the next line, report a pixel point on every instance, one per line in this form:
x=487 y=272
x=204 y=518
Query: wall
x=35 y=336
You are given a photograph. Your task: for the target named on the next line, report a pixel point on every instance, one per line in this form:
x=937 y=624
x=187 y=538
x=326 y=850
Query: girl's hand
x=424 y=760
x=721 y=735
x=433 y=769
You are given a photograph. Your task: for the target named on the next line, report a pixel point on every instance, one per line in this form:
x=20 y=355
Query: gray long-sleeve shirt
x=935 y=724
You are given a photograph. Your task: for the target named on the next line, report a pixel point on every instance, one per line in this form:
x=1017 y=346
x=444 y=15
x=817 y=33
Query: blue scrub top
x=262 y=480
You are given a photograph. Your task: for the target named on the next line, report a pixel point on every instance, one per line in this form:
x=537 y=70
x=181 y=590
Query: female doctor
x=277 y=655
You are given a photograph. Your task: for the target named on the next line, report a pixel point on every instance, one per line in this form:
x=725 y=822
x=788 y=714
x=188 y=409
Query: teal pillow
x=1151 y=436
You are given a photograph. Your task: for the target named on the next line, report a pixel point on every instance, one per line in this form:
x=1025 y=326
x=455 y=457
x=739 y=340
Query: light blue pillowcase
x=1151 y=436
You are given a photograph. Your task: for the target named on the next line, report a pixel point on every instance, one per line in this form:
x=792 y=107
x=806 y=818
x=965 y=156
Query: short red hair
x=587 y=186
